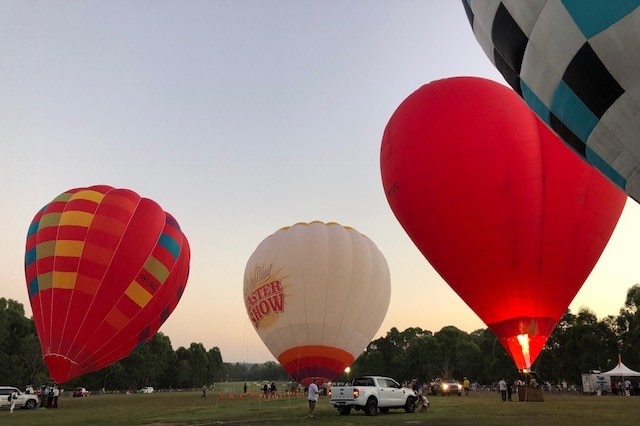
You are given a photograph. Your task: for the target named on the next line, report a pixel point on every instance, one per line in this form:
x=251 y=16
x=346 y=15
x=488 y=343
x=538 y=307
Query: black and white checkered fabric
x=577 y=65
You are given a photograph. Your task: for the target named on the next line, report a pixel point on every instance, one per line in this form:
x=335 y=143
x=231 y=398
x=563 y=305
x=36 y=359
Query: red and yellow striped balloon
x=104 y=269
x=316 y=293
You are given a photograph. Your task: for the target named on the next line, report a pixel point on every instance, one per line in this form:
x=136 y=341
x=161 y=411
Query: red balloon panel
x=304 y=363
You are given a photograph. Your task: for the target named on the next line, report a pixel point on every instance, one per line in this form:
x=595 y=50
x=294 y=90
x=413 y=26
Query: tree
x=629 y=326
x=32 y=359
x=448 y=338
x=578 y=343
x=215 y=370
x=19 y=348
x=199 y=362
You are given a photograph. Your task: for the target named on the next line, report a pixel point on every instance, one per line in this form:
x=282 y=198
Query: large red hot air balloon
x=510 y=217
x=104 y=269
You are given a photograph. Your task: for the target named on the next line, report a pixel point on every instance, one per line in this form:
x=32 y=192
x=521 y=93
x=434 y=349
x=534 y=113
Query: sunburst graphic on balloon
x=265 y=295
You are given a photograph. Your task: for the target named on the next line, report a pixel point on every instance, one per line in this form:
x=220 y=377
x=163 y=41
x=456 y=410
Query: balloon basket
x=527 y=394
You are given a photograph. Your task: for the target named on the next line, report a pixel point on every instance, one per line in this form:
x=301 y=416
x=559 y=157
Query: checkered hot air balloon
x=104 y=269
x=576 y=64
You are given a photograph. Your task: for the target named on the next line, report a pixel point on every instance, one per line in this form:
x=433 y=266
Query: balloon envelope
x=577 y=65
x=316 y=293
x=510 y=218
x=104 y=269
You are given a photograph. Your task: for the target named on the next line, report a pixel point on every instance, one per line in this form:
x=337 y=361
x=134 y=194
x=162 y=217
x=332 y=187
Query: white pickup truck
x=372 y=393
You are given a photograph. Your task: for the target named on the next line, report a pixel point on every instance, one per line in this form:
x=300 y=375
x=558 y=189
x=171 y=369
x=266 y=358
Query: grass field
x=187 y=408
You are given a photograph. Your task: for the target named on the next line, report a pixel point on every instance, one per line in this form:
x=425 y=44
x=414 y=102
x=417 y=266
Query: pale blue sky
x=239 y=118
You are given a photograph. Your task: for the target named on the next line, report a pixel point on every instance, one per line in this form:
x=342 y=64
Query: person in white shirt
x=502 y=387
x=56 y=394
x=312 y=397
x=14 y=397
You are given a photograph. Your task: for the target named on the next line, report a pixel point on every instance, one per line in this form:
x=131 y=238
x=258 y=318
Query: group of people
x=625 y=387
x=268 y=390
x=506 y=389
x=49 y=395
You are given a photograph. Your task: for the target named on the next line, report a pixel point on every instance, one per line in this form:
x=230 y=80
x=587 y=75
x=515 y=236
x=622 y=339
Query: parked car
x=446 y=387
x=80 y=392
x=24 y=400
x=146 y=389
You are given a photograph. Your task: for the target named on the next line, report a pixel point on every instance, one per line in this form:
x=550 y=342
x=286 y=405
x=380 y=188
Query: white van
x=146 y=389
x=595 y=382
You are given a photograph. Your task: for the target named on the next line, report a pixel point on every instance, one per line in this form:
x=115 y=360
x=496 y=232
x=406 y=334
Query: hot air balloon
x=509 y=217
x=577 y=65
x=316 y=293
x=104 y=269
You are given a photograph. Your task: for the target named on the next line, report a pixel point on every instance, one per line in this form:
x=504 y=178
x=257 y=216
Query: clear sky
x=239 y=118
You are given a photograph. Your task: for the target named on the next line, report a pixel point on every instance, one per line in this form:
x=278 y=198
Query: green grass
x=187 y=408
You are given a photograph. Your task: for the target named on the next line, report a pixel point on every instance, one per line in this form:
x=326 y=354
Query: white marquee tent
x=621 y=370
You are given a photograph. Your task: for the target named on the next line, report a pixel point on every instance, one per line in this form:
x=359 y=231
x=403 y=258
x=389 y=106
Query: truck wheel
x=371 y=409
x=410 y=405
x=31 y=404
x=344 y=410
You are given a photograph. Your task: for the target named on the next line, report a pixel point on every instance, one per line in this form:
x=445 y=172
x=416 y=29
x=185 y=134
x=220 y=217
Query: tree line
x=579 y=343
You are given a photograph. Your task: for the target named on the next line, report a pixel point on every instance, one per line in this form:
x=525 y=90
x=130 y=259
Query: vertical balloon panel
x=104 y=269
x=316 y=294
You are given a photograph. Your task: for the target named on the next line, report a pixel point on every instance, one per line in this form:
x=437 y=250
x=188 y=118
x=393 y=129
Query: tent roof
x=621 y=370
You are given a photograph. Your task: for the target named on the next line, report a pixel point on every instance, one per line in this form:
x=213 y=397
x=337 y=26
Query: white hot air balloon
x=316 y=293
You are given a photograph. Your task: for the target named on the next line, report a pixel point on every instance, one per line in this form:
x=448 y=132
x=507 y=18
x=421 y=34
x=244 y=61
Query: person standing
x=245 y=387
x=502 y=386
x=465 y=386
x=44 y=396
x=56 y=395
x=204 y=391
x=50 y=397
x=312 y=397
x=13 y=397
